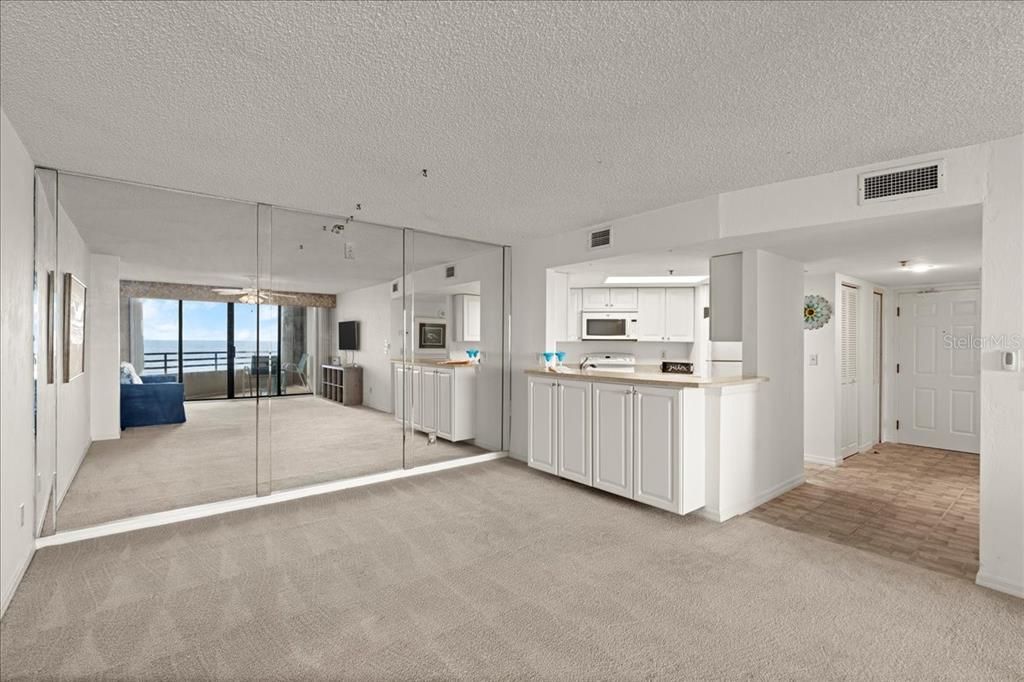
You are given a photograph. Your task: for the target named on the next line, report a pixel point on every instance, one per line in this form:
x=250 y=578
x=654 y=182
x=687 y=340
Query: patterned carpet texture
x=494 y=571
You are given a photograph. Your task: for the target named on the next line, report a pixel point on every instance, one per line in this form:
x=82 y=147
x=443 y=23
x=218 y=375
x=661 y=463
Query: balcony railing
x=166 y=362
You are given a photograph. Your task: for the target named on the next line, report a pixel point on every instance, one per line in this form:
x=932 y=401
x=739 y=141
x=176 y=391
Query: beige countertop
x=648 y=377
x=430 y=362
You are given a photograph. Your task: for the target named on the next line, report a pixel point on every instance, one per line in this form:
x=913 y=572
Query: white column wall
x=17 y=443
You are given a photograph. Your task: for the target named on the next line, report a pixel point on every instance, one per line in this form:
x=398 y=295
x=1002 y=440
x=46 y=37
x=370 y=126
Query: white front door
x=939 y=369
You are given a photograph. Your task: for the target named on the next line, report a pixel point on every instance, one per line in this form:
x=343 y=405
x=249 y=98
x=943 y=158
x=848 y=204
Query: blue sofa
x=159 y=399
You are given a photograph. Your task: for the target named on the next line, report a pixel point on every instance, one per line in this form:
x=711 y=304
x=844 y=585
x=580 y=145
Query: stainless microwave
x=609 y=326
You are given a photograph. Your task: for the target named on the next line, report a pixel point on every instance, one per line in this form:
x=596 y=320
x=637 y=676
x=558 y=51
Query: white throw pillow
x=129 y=375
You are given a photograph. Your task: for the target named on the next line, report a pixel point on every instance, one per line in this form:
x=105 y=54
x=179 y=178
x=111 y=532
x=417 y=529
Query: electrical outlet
x=813 y=360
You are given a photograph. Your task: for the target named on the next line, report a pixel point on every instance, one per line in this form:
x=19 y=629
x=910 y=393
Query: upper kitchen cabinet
x=604 y=298
x=665 y=314
x=466 y=317
x=726 y=290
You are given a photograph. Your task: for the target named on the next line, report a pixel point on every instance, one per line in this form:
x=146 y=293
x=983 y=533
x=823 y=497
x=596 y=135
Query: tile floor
x=914 y=504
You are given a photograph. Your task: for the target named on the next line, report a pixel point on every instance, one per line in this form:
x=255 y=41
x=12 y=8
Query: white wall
x=73 y=399
x=820 y=393
x=777 y=329
x=372 y=308
x=823 y=400
x=102 y=347
x=17 y=445
x=1002 y=393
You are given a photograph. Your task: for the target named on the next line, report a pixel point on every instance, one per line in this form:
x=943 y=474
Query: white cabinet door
x=595 y=299
x=656 y=446
x=572 y=332
x=417 y=398
x=613 y=438
x=445 y=400
x=398 y=392
x=472 y=318
x=428 y=391
x=466 y=317
x=650 y=313
x=622 y=299
x=574 y=424
x=542 y=408
x=679 y=317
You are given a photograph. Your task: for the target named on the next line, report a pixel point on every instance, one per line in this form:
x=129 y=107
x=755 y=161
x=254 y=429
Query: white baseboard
x=756 y=501
x=213 y=508
x=1000 y=585
x=13 y=587
x=818 y=459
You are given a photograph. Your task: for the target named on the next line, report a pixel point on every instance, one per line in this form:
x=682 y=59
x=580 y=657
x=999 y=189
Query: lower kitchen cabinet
x=574 y=431
x=642 y=442
x=443 y=400
x=657 y=418
x=542 y=407
x=613 y=438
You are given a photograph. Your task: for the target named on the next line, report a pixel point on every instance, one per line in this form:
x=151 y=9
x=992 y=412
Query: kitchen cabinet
x=604 y=298
x=465 y=317
x=665 y=314
x=679 y=314
x=574 y=431
x=657 y=416
x=650 y=313
x=613 y=438
x=542 y=408
x=443 y=399
x=398 y=391
x=560 y=428
x=625 y=439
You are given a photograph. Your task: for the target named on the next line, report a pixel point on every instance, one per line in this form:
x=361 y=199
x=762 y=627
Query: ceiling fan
x=252 y=295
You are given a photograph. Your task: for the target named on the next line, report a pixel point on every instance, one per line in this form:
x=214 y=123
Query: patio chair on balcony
x=298 y=368
x=261 y=366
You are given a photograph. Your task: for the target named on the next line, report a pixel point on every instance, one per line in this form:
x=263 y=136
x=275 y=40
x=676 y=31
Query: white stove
x=609 y=362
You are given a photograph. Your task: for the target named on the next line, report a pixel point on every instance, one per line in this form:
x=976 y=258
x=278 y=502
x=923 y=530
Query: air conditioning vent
x=600 y=239
x=901 y=183
x=449 y=272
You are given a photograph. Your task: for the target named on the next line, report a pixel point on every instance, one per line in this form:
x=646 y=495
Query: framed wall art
x=74 y=327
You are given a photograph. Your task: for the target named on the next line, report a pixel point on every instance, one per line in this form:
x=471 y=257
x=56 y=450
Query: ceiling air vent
x=901 y=183
x=449 y=272
x=600 y=239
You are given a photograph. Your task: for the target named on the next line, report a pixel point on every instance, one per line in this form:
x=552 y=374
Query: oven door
x=608 y=326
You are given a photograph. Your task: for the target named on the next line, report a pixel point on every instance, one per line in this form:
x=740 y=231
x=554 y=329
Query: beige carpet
x=494 y=571
x=212 y=456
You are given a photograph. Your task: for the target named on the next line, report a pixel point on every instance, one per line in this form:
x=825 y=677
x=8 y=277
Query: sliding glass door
x=205 y=357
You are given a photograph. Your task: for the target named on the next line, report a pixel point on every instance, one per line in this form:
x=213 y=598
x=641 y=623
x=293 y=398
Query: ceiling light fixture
x=917 y=268
x=655 y=279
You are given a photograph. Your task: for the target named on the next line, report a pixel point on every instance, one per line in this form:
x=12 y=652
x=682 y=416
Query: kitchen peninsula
x=678 y=442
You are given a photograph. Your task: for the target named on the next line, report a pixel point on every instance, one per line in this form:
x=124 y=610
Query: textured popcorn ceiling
x=530 y=117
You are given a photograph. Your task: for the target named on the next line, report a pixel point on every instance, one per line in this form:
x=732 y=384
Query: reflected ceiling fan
x=252 y=295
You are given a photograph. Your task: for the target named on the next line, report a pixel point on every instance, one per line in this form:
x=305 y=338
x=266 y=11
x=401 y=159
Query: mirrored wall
x=192 y=349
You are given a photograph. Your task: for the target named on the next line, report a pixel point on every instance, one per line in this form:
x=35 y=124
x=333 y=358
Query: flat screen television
x=348 y=335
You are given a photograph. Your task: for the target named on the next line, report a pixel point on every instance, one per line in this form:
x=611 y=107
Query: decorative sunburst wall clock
x=817 y=311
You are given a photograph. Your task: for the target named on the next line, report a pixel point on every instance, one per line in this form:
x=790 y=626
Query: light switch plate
x=813 y=360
